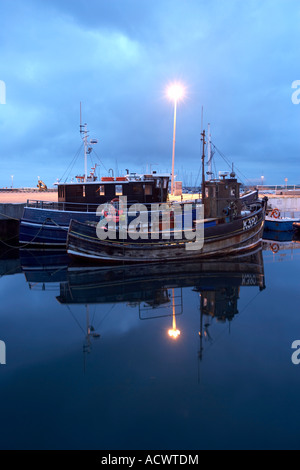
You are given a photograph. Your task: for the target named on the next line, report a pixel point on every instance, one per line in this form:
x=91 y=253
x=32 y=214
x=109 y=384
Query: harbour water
x=188 y=357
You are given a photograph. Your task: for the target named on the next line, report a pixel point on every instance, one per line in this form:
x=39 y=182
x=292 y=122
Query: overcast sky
x=237 y=59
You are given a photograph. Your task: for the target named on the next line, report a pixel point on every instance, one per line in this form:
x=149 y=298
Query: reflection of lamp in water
x=174 y=332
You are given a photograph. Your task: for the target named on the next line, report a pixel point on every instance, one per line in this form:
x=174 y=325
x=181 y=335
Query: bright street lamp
x=175 y=92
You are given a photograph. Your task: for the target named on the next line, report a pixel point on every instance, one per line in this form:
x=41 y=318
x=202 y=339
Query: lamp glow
x=175 y=92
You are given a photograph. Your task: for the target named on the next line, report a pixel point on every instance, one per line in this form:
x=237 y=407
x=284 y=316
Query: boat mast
x=203 y=166
x=209 y=153
x=83 y=131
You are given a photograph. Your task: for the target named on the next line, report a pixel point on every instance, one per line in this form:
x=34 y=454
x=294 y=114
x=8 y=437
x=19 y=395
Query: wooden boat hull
x=224 y=239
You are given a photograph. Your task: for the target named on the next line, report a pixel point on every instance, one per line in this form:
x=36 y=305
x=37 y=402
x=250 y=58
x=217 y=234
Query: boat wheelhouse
x=138 y=188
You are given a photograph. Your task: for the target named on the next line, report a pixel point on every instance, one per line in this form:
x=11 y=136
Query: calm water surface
x=90 y=363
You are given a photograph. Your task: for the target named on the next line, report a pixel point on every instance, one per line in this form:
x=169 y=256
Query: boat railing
x=62 y=206
x=82 y=207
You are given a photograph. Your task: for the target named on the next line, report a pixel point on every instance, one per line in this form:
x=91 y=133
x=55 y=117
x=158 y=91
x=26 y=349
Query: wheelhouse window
x=137 y=189
x=101 y=190
x=119 y=190
x=61 y=191
x=148 y=190
x=79 y=191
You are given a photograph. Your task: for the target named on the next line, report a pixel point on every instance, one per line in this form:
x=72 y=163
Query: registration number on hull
x=249 y=223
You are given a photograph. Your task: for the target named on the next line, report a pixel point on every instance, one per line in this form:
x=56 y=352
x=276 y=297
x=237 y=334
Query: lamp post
x=175 y=93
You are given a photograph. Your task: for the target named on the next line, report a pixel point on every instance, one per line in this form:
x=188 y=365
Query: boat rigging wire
x=71 y=164
x=242 y=176
x=74 y=318
x=100 y=161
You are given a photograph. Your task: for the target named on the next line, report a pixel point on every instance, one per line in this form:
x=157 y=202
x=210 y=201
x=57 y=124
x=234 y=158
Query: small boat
x=275 y=223
x=228 y=227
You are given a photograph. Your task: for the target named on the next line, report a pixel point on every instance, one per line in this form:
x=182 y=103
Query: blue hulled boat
x=275 y=223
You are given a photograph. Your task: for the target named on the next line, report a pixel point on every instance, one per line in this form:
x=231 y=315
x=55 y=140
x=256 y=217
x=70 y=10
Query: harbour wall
x=10 y=215
x=288 y=206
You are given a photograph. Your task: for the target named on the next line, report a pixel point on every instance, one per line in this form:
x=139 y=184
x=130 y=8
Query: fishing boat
x=275 y=223
x=45 y=224
x=227 y=227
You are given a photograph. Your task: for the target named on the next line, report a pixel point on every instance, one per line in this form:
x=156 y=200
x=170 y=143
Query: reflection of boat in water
x=9 y=262
x=140 y=283
x=133 y=283
x=156 y=290
x=280 y=241
x=44 y=266
x=280 y=236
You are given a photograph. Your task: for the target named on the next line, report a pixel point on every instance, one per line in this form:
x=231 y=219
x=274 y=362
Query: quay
x=12 y=204
x=288 y=202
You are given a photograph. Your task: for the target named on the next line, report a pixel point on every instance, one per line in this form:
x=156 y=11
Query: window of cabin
x=148 y=189
x=79 y=191
x=61 y=191
x=101 y=190
x=83 y=191
x=158 y=183
x=119 y=190
x=232 y=192
x=137 y=189
x=165 y=183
